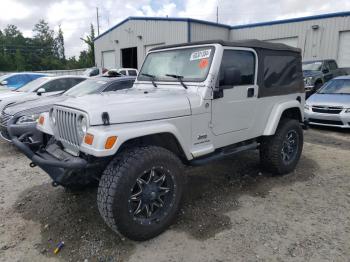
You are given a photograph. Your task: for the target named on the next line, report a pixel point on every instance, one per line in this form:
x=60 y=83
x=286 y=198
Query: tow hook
x=32 y=165
x=55 y=184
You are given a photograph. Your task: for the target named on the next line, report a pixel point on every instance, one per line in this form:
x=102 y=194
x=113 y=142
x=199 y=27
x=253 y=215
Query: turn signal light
x=89 y=139
x=41 y=120
x=110 y=142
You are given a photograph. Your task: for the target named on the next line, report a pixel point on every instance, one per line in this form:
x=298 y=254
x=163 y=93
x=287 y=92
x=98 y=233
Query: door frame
x=255 y=84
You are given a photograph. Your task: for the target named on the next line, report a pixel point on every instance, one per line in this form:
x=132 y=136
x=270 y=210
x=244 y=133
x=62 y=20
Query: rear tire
x=140 y=192
x=281 y=152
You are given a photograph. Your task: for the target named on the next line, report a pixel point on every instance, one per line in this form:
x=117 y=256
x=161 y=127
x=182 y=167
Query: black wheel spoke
x=141 y=182
x=151 y=176
x=137 y=196
x=160 y=180
x=139 y=208
x=148 y=210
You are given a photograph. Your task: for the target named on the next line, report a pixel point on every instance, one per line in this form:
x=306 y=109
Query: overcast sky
x=75 y=16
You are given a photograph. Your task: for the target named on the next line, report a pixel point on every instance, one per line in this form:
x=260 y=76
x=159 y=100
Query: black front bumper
x=53 y=160
x=33 y=139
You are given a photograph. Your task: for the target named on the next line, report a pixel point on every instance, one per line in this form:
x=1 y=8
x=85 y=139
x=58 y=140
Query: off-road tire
x=270 y=148
x=113 y=196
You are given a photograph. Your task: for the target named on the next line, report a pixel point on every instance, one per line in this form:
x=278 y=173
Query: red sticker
x=203 y=63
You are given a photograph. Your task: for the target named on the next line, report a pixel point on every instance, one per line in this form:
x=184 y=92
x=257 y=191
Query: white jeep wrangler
x=191 y=103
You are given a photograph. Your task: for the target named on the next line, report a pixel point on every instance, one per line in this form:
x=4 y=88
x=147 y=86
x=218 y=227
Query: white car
x=191 y=104
x=43 y=86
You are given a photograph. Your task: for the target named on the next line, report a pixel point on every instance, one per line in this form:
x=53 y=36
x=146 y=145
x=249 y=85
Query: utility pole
x=98 y=21
x=217 y=14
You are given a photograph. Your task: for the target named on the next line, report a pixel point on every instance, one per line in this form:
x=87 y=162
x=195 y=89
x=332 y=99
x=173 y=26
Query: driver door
x=235 y=110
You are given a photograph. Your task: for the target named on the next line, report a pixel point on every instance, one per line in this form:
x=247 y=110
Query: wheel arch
x=166 y=140
x=290 y=109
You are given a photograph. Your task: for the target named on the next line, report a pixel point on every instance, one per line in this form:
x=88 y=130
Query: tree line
x=44 y=51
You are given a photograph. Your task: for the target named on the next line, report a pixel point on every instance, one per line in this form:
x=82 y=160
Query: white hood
x=132 y=105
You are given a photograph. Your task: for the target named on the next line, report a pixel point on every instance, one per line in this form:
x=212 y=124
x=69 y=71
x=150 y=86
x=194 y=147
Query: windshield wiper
x=178 y=78
x=153 y=77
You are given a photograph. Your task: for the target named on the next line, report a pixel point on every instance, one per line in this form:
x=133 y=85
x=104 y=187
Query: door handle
x=250 y=92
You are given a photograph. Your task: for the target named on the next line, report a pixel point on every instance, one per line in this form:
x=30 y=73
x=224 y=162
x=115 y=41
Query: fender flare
x=276 y=114
x=128 y=133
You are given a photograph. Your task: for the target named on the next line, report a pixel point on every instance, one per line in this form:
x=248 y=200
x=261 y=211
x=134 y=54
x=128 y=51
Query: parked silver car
x=330 y=106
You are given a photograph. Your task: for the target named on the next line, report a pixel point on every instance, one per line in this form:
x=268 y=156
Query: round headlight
x=29 y=119
x=82 y=126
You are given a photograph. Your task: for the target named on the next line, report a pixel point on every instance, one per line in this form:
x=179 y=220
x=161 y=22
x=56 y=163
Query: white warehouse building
x=319 y=37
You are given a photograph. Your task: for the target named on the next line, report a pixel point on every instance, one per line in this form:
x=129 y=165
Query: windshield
x=312 y=66
x=33 y=85
x=337 y=86
x=86 y=87
x=190 y=63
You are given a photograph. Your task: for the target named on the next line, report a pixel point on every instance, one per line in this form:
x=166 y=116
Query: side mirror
x=232 y=77
x=4 y=83
x=325 y=71
x=40 y=91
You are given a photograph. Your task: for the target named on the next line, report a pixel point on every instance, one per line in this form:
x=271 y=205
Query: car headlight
x=307 y=107
x=28 y=119
x=308 y=81
x=82 y=126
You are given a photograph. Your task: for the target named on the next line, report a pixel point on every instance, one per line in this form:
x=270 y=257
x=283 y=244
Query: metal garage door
x=344 y=49
x=291 y=41
x=108 y=59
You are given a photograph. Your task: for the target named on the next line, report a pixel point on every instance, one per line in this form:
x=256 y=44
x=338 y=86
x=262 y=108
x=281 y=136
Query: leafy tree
x=19 y=60
x=89 y=40
x=60 y=44
x=44 y=51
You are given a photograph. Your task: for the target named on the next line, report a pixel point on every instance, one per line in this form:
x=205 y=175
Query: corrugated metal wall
x=318 y=43
x=201 y=32
x=152 y=33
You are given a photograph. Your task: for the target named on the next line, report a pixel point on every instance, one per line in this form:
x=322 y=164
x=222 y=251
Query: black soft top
x=279 y=65
x=251 y=43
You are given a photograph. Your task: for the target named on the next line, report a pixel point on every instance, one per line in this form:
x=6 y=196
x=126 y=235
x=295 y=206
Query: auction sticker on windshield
x=200 y=54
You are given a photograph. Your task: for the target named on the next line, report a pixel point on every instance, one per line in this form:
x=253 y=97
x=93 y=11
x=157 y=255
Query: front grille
x=4 y=119
x=327 y=109
x=66 y=128
x=326 y=122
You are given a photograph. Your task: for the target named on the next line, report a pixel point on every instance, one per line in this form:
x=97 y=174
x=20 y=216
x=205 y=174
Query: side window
x=75 y=81
x=132 y=72
x=332 y=65
x=281 y=71
x=57 y=85
x=119 y=85
x=122 y=72
x=326 y=65
x=244 y=61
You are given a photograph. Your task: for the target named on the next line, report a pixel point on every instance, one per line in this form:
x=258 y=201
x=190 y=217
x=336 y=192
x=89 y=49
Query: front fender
x=125 y=132
x=276 y=114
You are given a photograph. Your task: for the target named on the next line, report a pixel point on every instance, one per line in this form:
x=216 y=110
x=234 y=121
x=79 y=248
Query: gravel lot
x=232 y=212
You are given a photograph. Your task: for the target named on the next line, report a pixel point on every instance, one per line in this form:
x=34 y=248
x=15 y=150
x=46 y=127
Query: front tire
x=281 y=152
x=140 y=192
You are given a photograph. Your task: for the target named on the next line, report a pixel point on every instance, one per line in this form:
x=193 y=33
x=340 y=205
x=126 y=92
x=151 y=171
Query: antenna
x=98 y=21
x=217 y=14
